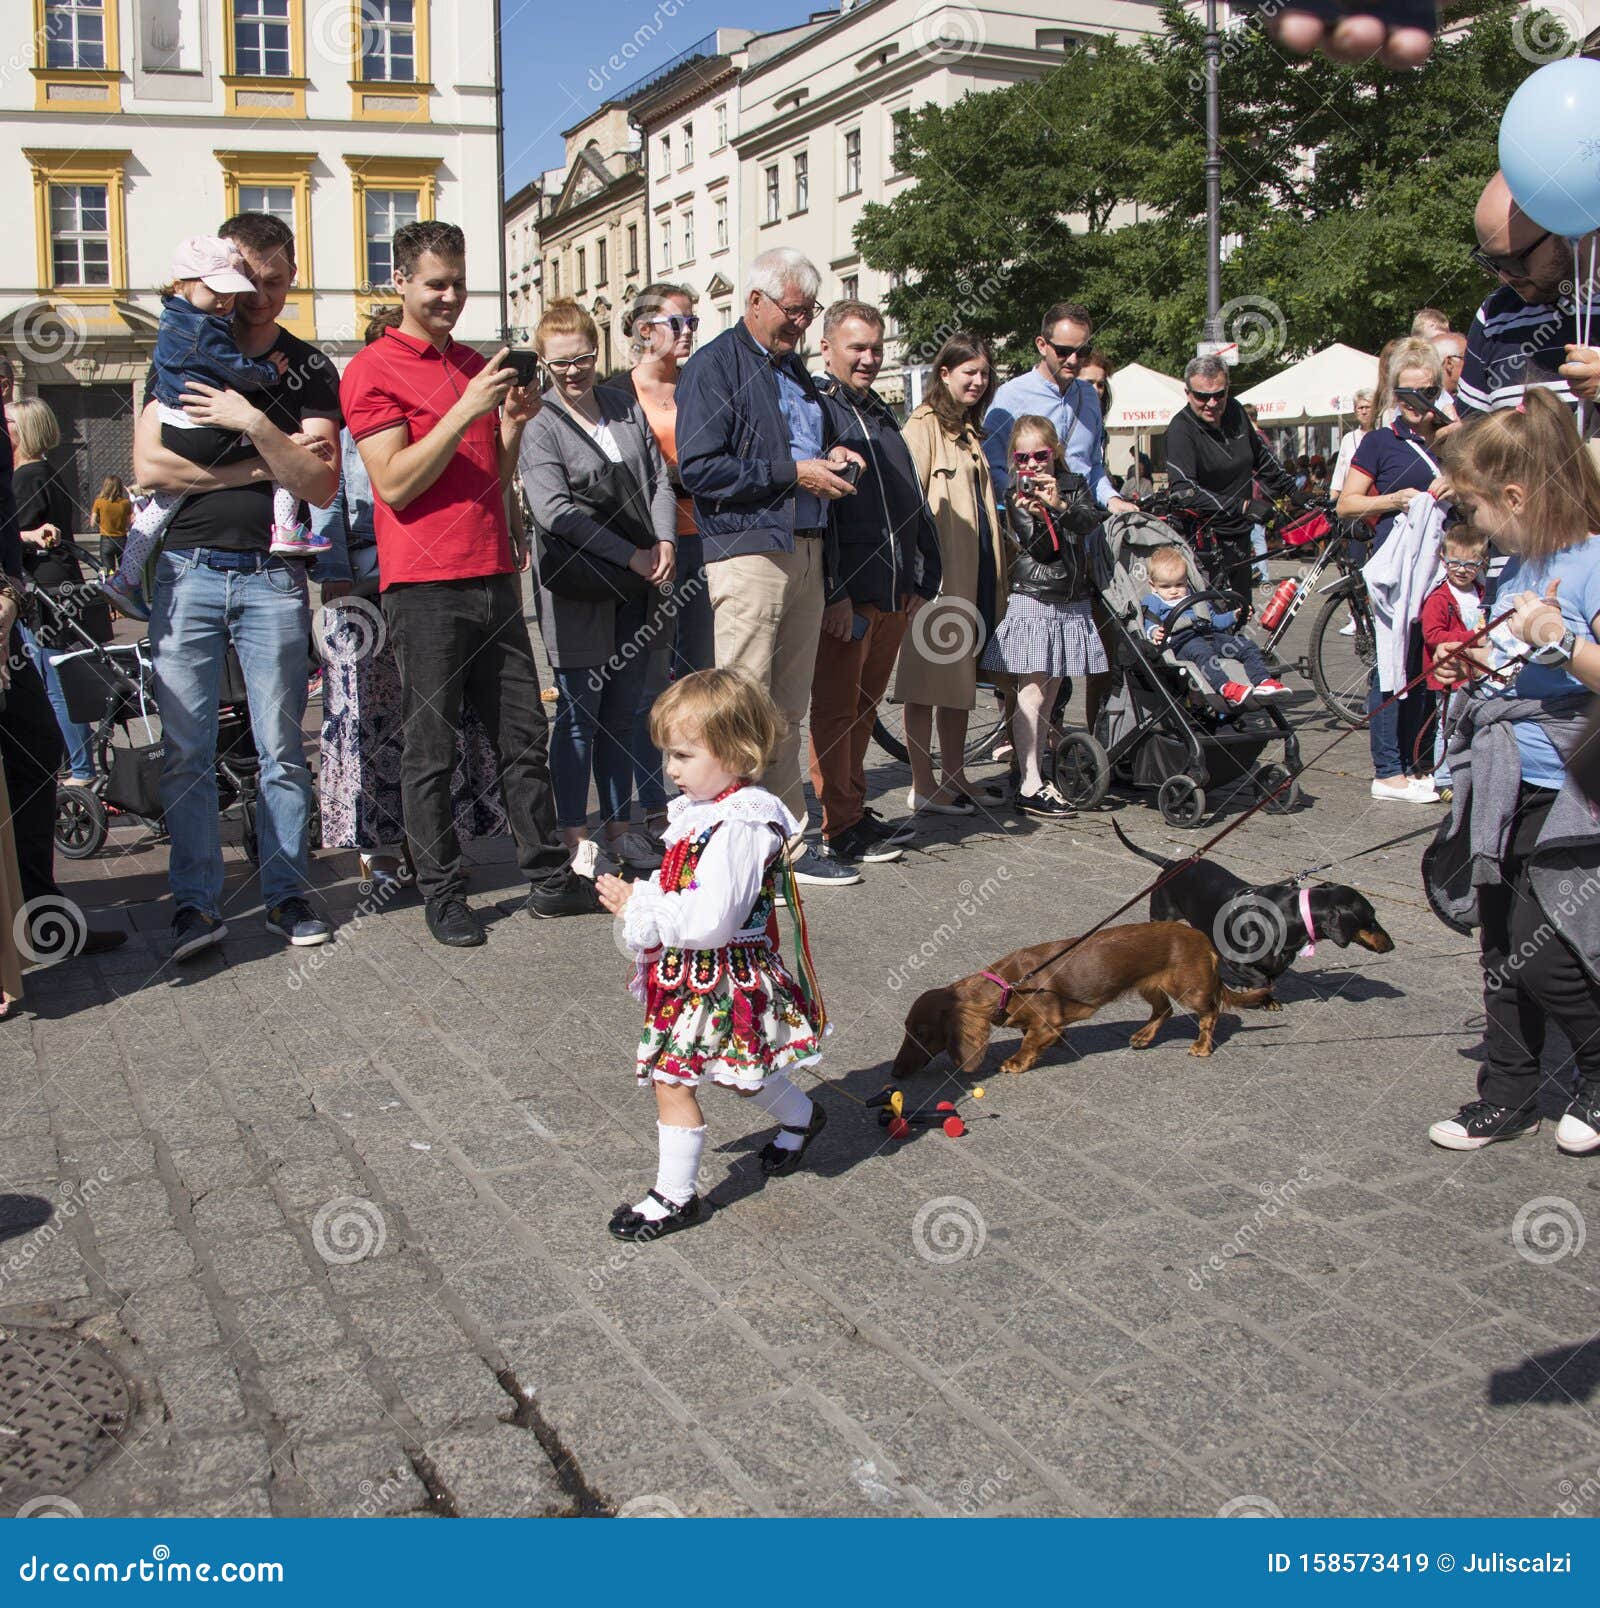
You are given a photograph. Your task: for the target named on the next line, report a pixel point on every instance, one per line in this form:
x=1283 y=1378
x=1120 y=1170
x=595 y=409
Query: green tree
x=1347 y=191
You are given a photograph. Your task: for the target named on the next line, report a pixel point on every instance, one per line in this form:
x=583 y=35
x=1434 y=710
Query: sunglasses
x=679 y=322
x=582 y=360
x=1068 y=353
x=1206 y=398
x=1428 y=393
x=1513 y=264
x=799 y=313
x=1043 y=455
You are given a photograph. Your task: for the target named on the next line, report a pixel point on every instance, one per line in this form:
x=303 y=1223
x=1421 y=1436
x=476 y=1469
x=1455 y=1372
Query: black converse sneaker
x=1478 y=1124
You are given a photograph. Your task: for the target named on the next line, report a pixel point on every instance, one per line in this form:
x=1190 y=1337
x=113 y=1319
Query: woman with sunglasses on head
x=1393 y=464
x=596 y=482
x=661 y=324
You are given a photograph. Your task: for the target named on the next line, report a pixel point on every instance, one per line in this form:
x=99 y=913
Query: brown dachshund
x=1164 y=961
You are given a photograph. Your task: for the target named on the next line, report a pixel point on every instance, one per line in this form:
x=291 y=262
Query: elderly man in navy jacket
x=882 y=565
x=756 y=452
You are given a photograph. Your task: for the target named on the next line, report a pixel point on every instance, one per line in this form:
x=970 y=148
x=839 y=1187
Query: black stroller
x=110 y=686
x=1162 y=727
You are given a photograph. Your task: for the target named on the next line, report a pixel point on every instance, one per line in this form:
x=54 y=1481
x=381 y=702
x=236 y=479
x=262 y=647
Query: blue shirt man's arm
x=997 y=423
x=1091 y=421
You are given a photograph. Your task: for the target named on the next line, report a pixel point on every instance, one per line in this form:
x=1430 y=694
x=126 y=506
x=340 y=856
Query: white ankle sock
x=676 y=1170
x=783 y=1102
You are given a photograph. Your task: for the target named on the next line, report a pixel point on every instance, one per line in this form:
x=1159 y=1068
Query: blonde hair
x=1535 y=446
x=1167 y=564
x=1464 y=538
x=727 y=711
x=565 y=317
x=1036 y=424
x=36 y=427
x=1398 y=356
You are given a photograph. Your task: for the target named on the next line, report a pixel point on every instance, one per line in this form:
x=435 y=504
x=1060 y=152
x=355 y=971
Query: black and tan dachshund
x=1259 y=931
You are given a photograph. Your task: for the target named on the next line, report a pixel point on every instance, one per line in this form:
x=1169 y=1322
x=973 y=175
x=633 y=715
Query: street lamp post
x=500 y=179
x=1213 y=54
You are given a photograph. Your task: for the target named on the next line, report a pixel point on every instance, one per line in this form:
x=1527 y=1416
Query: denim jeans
x=467 y=640
x=195 y=611
x=693 y=647
x=1395 y=732
x=77 y=736
x=1206 y=654
x=1258 y=546
x=596 y=727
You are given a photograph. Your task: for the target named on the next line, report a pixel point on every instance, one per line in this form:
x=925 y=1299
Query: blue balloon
x=1550 y=146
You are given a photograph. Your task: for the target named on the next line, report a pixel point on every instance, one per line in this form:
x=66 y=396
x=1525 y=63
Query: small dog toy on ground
x=892 y=1114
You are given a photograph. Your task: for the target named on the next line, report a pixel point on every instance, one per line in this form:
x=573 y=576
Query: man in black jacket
x=882 y=565
x=1215 y=457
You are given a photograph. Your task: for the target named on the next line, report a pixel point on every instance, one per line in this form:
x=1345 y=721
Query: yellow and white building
x=129 y=124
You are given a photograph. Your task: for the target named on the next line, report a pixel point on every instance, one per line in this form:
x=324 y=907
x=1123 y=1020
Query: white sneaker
x=1348 y=628
x=960 y=805
x=1576 y=1135
x=586 y=858
x=1423 y=790
x=1397 y=795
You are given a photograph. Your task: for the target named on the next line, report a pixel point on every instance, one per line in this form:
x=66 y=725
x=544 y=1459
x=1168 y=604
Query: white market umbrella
x=1143 y=400
x=1317 y=389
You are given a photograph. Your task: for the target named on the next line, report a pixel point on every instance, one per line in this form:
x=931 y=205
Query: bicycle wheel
x=1341 y=666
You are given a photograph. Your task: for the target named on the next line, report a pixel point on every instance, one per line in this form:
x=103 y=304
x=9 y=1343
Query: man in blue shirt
x=1052 y=390
x=755 y=451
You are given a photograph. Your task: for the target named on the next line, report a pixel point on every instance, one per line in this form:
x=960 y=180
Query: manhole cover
x=62 y=1402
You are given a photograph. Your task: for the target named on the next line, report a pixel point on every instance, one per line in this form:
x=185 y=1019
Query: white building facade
x=817 y=118
x=137 y=122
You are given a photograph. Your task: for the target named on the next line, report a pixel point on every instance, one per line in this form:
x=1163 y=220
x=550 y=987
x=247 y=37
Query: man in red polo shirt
x=438 y=429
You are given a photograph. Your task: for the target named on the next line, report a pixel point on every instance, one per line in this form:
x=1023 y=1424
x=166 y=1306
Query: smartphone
x=1418 y=400
x=858 y=627
x=526 y=363
x=849 y=470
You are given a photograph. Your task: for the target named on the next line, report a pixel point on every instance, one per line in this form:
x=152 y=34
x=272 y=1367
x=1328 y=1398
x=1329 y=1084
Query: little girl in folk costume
x=719 y=1002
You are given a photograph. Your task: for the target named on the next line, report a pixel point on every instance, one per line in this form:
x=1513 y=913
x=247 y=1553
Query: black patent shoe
x=779 y=1163
x=628 y=1224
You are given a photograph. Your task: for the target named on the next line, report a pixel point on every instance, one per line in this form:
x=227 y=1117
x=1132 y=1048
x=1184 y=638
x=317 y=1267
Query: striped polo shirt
x=1513 y=345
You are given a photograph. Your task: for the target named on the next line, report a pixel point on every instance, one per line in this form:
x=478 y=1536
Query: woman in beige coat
x=938 y=671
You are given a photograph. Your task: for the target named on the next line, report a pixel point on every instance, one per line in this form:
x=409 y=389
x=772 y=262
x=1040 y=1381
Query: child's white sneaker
x=125 y=600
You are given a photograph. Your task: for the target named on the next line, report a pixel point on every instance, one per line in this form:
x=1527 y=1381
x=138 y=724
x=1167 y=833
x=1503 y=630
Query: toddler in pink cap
x=195 y=343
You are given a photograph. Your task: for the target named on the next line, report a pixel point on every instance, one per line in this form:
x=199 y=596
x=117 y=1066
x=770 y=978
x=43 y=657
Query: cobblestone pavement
x=340 y=1214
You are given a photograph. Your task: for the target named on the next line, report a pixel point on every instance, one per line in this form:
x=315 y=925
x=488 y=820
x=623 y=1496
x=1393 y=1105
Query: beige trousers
x=767 y=610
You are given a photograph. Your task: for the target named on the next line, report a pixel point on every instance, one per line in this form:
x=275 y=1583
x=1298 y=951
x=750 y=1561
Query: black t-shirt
x=239 y=520
x=43 y=500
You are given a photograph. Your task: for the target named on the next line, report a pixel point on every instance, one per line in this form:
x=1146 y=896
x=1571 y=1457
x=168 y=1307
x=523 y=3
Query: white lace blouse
x=752 y=824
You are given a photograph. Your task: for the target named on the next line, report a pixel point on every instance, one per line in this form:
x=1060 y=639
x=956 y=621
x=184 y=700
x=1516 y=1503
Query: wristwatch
x=1558 y=653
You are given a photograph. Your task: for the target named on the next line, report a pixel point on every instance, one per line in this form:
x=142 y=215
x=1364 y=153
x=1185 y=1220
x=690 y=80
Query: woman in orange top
x=661 y=324
x=112 y=512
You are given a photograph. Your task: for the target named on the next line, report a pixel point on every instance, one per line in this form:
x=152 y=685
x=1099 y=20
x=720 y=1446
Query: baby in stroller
x=1201 y=642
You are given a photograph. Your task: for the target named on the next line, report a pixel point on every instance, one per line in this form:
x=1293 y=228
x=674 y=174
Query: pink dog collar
x=1311 y=929
x=1004 y=987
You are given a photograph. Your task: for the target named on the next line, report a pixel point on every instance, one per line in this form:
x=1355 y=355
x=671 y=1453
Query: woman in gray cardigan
x=598 y=650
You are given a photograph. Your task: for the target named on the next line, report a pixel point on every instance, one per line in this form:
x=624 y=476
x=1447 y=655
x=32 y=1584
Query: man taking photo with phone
x=438 y=429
